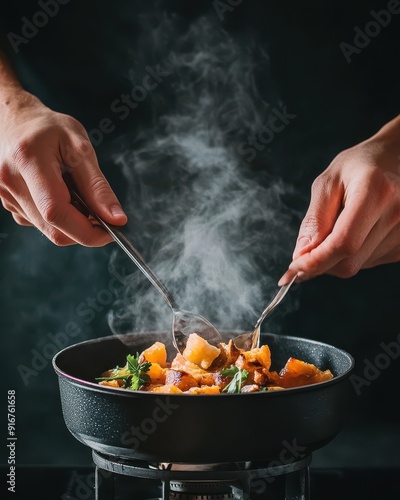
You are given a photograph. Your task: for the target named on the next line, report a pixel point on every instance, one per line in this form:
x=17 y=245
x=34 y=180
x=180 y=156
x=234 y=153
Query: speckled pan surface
x=282 y=425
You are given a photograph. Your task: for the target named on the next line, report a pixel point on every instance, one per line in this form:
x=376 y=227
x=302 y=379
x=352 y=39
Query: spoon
x=183 y=322
x=251 y=340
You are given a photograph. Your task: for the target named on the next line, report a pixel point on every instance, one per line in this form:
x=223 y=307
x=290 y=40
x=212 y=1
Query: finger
x=19 y=202
x=21 y=220
x=350 y=266
x=349 y=233
x=52 y=211
x=12 y=206
x=92 y=185
x=387 y=252
x=325 y=205
x=389 y=258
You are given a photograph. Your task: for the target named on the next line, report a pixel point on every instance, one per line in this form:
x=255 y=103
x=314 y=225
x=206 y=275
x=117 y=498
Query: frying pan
x=280 y=425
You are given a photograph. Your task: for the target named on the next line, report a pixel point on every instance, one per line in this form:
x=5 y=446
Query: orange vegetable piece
x=156 y=353
x=296 y=373
x=205 y=389
x=156 y=374
x=199 y=351
x=182 y=380
x=166 y=389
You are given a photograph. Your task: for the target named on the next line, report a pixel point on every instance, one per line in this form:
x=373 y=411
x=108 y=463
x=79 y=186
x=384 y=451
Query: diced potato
x=205 y=389
x=198 y=371
x=166 y=389
x=202 y=376
x=156 y=353
x=199 y=351
x=156 y=374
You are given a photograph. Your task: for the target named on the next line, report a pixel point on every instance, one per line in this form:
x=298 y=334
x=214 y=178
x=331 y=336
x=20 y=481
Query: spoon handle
x=126 y=245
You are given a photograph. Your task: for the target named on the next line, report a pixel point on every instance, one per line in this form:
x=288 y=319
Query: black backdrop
x=77 y=64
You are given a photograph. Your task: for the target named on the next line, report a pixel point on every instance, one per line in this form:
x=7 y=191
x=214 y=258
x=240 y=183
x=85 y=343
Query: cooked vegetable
x=205 y=369
x=200 y=352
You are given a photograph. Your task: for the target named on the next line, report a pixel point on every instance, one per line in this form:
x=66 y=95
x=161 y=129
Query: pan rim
x=129 y=393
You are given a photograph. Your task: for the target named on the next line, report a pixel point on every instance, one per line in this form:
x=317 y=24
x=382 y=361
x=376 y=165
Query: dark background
x=78 y=63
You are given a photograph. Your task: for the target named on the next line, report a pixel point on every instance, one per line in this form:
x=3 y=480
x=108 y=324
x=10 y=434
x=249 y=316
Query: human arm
x=353 y=219
x=36 y=144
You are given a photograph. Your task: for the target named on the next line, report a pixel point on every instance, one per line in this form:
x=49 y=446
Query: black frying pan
x=282 y=425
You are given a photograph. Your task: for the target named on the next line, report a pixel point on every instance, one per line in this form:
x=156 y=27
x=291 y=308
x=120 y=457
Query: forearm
x=390 y=132
x=13 y=97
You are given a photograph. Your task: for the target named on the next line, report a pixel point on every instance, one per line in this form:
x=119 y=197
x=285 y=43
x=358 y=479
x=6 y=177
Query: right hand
x=36 y=144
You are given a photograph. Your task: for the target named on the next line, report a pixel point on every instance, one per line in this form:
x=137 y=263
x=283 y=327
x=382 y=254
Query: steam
x=212 y=226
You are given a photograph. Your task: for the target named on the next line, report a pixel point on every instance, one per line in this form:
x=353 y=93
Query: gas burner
x=225 y=481
x=197 y=490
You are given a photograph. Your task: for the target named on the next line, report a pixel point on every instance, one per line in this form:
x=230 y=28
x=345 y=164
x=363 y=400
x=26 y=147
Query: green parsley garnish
x=138 y=371
x=137 y=375
x=239 y=377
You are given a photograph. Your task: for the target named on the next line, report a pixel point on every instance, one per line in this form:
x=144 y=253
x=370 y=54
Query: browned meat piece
x=184 y=381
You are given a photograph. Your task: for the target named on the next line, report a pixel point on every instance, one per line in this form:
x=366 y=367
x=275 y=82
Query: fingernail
x=284 y=280
x=302 y=242
x=117 y=211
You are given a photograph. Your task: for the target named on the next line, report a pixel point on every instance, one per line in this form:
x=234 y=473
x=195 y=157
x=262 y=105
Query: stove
x=220 y=481
x=79 y=483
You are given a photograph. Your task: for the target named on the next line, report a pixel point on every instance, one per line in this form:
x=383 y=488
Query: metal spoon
x=183 y=322
x=251 y=340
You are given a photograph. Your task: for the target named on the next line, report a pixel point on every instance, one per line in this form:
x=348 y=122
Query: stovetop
x=77 y=483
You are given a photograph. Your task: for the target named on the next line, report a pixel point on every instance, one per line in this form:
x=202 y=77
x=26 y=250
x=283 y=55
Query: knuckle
x=82 y=146
x=310 y=223
x=346 y=269
x=56 y=236
x=100 y=186
x=348 y=246
x=21 y=221
x=50 y=211
x=22 y=151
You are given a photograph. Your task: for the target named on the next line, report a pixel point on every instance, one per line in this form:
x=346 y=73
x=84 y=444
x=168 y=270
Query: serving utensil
x=251 y=340
x=183 y=322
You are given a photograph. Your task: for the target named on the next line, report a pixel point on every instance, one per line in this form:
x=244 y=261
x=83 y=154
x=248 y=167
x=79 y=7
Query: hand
x=36 y=144
x=353 y=220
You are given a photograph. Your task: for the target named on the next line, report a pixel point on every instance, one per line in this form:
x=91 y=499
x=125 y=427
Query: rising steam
x=211 y=225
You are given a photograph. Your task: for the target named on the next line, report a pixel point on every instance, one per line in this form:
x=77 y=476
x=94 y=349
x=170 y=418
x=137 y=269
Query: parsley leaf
x=239 y=377
x=138 y=371
x=136 y=376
